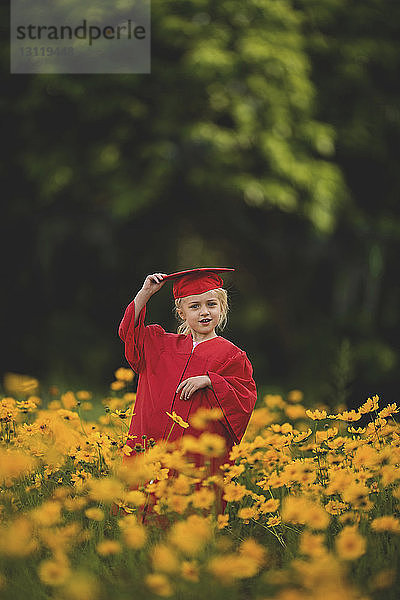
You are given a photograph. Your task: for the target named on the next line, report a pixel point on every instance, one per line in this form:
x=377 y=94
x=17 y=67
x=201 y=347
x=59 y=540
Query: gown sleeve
x=136 y=337
x=235 y=393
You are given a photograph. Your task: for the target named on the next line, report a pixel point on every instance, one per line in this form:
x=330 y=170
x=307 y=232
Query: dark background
x=266 y=138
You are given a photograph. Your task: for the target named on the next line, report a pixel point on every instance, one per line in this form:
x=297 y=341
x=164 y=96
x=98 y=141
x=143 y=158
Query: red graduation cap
x=196 y=281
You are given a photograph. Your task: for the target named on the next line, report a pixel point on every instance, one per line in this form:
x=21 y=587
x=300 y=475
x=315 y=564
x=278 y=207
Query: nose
x=204 y=311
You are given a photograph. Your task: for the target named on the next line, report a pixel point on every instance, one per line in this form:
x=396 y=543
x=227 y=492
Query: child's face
x=201 y=312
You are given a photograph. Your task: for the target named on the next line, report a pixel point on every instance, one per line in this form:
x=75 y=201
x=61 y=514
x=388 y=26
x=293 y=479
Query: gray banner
x=67 y=36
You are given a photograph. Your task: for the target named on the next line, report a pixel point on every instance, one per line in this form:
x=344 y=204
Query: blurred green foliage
x=266 y=138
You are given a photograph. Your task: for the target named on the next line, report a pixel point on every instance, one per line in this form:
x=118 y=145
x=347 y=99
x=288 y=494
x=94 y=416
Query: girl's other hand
x=189 y=386
x=153 y=283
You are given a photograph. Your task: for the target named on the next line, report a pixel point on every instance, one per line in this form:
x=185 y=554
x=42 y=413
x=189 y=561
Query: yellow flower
x=84 y=395
x=304 y=511
x=350 y=545
x=274 y=401
x=159 y=584
x=222 y=521
x=295 y=396
x=47 y=514
x=203 y=498
x=334 y=507
x=386 y=523
x=270 y=505
x=124 y=374
x=94 y=513
x=300 y=437
x=312 y=544
x=14 y=383
x=234 y=492
x=295 y=412
x=177 y=419
x=164 y=559
x=253 y=551
x=54 y=572
x=389 y=474
x=135 y=497
x=273 y=521
x=370 y=405
x=108 y=547
x=105 y=490
x=17 y=538
x=365 y=456
x=181 y=484
x=178 y=503
x=340 y=479
x=355 y=493
x=87 y=406
x=81 y=586
x=126 y=450
x=54 y=405
x=117 y=385
x=190 y=570
x=349 y=415
x=230 y=567
x=246 y=513
x=190 y=536
x=203 y=416
x=316 y=415
x=134 y=534
x=357 y=430
x=211 y=444
x=14 y=464
x=284 y=428
x=76 y=503
x=68 y=400
x=389 y=410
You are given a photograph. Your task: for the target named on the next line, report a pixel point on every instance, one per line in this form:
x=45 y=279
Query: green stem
x=170 y=431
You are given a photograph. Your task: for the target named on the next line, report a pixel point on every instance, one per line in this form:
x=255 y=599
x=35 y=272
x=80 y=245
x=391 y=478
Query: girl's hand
x=192 y=384
x=153 y=283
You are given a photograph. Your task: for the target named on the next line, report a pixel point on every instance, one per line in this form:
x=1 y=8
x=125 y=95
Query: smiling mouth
x=205 y=321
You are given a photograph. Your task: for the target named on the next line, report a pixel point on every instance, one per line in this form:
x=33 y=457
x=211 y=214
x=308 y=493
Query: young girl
x=190 y=369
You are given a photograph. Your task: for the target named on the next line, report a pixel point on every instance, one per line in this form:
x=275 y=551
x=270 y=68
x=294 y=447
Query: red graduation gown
x=162 y=360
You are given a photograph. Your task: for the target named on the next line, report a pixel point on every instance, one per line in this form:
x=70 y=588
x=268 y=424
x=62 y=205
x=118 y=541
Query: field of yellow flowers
x=312 y=502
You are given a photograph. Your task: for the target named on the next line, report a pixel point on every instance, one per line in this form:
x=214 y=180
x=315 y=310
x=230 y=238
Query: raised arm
x=152 y=284
x=131 y=329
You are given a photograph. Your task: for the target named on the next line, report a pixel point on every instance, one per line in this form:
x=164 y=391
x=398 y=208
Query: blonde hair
x=222 y=296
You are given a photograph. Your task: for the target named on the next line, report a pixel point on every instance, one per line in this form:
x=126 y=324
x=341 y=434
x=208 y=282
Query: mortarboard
x=196 y=281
